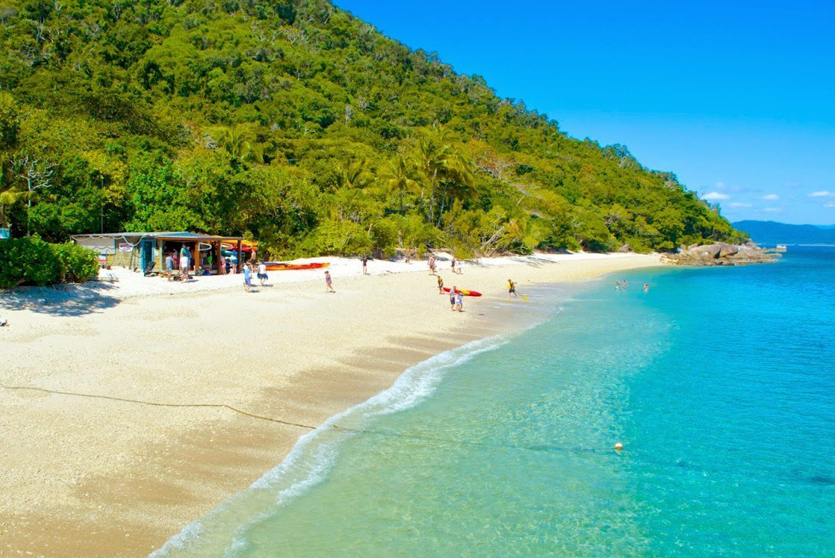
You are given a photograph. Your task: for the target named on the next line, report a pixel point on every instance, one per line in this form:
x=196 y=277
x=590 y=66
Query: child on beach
x=247 y=277
x=262 y=272
x=459 y=302
x=185 y=256
x=511 y=289
x=440 y=285
x=328 y=283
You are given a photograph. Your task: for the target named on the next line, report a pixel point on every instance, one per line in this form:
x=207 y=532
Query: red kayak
x=465 y=292
x=281 y=266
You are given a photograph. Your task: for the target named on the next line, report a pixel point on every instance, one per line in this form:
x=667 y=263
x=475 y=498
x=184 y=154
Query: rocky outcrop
x=721 y=254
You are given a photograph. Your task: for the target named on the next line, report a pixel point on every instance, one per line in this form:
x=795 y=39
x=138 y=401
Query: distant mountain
x=770 y=232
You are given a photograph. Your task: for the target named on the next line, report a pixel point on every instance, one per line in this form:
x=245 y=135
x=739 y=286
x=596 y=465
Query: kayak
x=281 y=266
x=465 y=292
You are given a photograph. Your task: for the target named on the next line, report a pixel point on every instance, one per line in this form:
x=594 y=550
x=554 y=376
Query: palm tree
x=399 y=179
x=8 y=197
x=240 y=143
x=430 y=157
x=458 y=178
x=353 y=175
x=440 y=158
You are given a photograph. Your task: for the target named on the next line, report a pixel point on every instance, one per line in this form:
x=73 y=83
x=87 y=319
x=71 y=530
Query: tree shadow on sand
x=61 y=300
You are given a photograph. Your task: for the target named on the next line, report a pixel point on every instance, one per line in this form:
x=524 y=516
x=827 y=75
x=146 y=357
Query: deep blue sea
x=720 y=383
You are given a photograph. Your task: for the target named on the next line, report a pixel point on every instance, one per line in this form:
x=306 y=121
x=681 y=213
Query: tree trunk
x=443 y=204
x=432 y=200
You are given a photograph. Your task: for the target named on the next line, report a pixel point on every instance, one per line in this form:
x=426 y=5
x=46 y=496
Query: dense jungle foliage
x=292 y=122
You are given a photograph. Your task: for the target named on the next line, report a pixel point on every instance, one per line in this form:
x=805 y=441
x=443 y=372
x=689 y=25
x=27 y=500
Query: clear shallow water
x=719 y=382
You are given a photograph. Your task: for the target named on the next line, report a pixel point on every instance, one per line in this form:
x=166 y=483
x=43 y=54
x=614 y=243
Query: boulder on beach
x=722 y=253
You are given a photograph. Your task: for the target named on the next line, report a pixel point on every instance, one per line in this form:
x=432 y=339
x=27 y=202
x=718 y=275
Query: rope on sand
x=430 y=439
x=158 y=404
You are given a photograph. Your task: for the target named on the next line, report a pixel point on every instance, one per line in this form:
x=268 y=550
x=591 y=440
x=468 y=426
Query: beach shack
x=147 y=251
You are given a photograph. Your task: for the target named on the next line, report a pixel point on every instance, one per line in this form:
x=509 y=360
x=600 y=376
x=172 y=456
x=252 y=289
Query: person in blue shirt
x=247 y=277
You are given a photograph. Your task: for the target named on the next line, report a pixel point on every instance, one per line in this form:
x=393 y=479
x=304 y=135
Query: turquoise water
x=720 y=383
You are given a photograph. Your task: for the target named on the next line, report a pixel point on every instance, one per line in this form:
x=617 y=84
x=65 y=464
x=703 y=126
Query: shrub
x=78 y=264
x=31 y=261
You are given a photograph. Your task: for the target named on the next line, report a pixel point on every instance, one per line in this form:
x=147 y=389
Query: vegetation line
x=158 y=404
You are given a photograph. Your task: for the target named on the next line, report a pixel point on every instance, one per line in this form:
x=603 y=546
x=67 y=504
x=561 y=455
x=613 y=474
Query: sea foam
x=314 y=454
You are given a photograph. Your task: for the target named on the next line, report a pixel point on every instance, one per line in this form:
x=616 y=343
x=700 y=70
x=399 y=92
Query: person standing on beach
x=328 y=282
x=431 y=264
x=169 y=266
x=459 y=301
x=452 y=265
x=185 y=259
x=452 y=292
x=262 y=272
x=440 y=285
x=511 y=289
x=247 y=277
x=364 y=265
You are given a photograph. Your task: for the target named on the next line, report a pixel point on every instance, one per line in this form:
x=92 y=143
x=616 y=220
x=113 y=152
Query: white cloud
x=720 y=185
x=773 y=209
x=822 y=194
x=830 y=204
x=771 y=197
x=738 y=204
x=716 y=196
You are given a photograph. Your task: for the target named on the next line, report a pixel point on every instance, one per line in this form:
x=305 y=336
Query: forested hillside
x=297 y=124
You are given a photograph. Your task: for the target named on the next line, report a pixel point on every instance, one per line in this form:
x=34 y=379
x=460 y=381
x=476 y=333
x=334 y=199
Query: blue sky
x=736 y=98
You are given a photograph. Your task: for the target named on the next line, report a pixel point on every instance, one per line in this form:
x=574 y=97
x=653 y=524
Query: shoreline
x=120 y=478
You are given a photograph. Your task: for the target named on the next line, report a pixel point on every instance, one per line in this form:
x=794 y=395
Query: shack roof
x=173 y=236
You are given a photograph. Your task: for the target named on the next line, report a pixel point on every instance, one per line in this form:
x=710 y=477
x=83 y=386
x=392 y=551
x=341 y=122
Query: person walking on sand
x=452 y=293
x=459 y=301
x=459 y=267
x=262 y=272
x=328 y=282
x=452 y=265
x=185 y=259
x=440 y=285
x=431 y=264
x=247 y=277
x=364 y=265
x=511 y=289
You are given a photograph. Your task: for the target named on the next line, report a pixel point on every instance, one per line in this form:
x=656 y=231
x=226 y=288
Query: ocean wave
x=315 y=453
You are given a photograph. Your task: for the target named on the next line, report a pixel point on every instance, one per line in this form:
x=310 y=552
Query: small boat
x=283 y=266
x=465 y=292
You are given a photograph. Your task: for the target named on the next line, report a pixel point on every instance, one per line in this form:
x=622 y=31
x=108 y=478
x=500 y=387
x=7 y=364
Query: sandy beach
x=130 y=408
